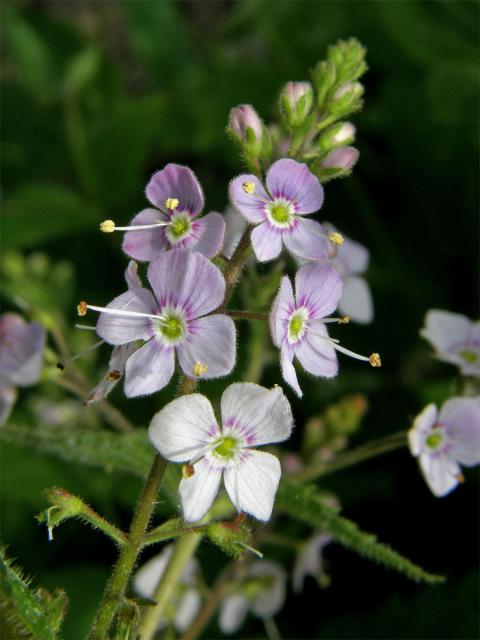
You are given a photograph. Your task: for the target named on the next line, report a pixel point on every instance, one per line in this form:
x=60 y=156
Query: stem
x=235 y=265
x=246 y=315
x=159 y=534
x=128 y=555
x=184 y=550
x=350 y=458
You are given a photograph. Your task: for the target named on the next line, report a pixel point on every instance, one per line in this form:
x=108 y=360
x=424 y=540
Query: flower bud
x=245 y=124
x=338 y=135
x=347 y=98
x=343 y=158
x=296 y=101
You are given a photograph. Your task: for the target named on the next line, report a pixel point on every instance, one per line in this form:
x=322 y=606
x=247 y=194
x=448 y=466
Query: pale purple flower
x=309 y=561
x=261 y=591
x=187 y=431
x=175 y=223
x=279 y=211
x=186 y=287
x=242 y=119
x=297 y=323
x=21 y=351
x=455 y=338
x=442 y=441
x=186 y=600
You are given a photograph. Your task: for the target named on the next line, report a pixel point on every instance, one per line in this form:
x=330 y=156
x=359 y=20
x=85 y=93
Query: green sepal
x=230 y=537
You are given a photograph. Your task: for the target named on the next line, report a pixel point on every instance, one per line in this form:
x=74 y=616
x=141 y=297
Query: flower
x=350 y=259
x=261 y=591
x=186 y=600
x=293 y=192
x=246 y=125
x=21 y=350
x=309 y=561
x=296 y=102
x=443 y=441
x=455 y=338
x=186 y=431
x=174 y=224
x=186 y=287
x=297 y=323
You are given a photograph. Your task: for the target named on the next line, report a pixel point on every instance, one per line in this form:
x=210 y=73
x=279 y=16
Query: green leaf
x=27 y=612
x=43 y=212
x=304 y=503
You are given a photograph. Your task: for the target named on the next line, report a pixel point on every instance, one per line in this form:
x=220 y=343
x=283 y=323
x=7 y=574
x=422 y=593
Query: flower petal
x=317 y=355
x=252 y=483
x=211 y=343
x=148 y=576
x=421 y=425
x=440 y=472
x=282 y=307
x=445 y=331
x=319 y=288
x=306 y=240
x=309 y=561
x=187 y=278
x=8 y=396
x=147 y=244
x=356 y=300
x=235 y=225
x=259 y=415
x=250 y=205
x=351 y=257
x=21 y=350
x=122 y=329
x=149 y=369
x=293 y=180
x=288 y=370
x=462 y=419
x=182 y=429
x=199 y=490
x=186 y=609
x=266 y=242
x=177 y=182
x=116 y=369
x=131 y=276
x=270 y=600
x=208 y=233
x=233 y=610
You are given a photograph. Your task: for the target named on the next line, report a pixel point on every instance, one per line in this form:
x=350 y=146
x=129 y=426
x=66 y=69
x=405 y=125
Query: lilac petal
x=309 y=561
x=282 y=308
x=233 y=611
x=306 y=240
x=147 y=244
x=258 y=415
x=235 y=225
x=177 y=182
x=250 y=205
x=131 y=276
x=440 y=472
x=316 y=355
x=211 y=343
x=188 y=279
x=252 y=482
x=8 y=395
x=422 y=424
x=183 y=428
x=288 y=370
x=444 y=330
x=462 y=419
x=116 y=370
x=122 y=329
x=21 y=350
x=351 y=257
x=266 y=242
x=292 y=180
x=356 y=301
x=208 y=233
x=198 y=491
x=270 y=599
x=318 y=288
x=149 y=369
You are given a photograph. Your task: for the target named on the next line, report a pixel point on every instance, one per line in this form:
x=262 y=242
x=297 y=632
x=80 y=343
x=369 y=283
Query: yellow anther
x=107 y=226
x=188 y=470
x=171 y=203
x=336 y=238
x=113 y=375
x=249 y=187
x=375 y=360
x=199 y=368
x=82 y=308
x=460 y=477
x=344 y=320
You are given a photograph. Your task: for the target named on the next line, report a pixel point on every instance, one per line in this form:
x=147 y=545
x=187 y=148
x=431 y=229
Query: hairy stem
x=350 y=458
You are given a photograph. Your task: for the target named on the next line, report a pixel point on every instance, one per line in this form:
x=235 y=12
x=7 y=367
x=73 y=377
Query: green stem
x=183 y=552
x=350 y=458
x=235 y=265
x=160 y=534
x=246 y=315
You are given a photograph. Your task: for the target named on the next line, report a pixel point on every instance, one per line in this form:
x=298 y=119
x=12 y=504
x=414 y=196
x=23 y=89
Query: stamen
x=113 y=375
x=375 y=360
x=199 y=368
x=87 y=327
x=249 y=187
x=83 y=306
x=188 y=470
x=342 y=320
x=107 y=226
x=171 y=203
x=460 y=477
x=61 y=365
x=336 y=238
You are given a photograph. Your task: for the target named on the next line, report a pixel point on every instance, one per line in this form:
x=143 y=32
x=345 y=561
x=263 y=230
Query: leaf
x=304 y=503
x=42 y=212
x=28 y=612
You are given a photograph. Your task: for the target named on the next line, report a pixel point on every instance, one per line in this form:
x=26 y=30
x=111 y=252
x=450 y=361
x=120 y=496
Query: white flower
x=455 y=338
x=186 y=602
x=442 y=441
x=309 y=561
x=261 y=591
x=186 y=430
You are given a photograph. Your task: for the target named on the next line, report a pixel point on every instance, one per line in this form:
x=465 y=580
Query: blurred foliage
x=96 y=96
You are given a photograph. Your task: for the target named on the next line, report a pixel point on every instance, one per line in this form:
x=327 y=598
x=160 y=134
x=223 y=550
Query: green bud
x=324 y=77
x=296 y=102
x=346 y=99
x=339 y=134
x=230 y=537
x=348 y=56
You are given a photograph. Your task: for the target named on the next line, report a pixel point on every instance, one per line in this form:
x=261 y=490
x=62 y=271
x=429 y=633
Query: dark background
x=98 y=95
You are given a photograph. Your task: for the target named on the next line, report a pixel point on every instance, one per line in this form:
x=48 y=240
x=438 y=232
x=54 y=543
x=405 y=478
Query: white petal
x=309 y=561
x=232 y=612
x=269 y=601
x=186 y=609
x=445 y=331
x=440 y=472
x=356 y=300
x=421 y=425
x=462 y=419
x=252 y=483
x=183 y=428
x=260 y=415
x=288 y=371
x=147 y=577
x=199 y=490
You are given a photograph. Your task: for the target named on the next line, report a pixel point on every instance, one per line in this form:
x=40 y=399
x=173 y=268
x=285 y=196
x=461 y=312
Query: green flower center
x=469 y=356
x=172 y=328
x=433 y=440
x=179 y=226
x=296 y=326
x=280 y=213
x=226 y=447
